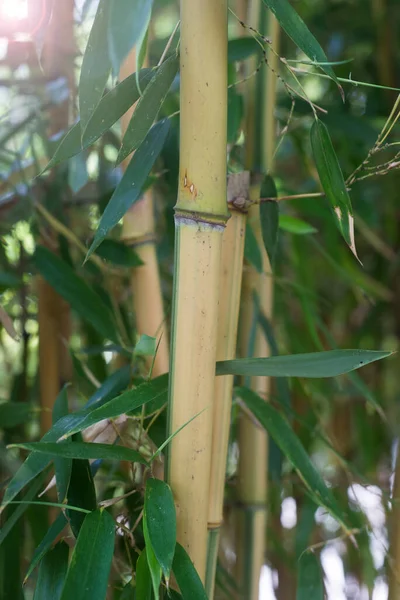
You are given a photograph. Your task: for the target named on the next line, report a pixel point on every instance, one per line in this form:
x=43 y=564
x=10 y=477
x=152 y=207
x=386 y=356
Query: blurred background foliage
x=323 y=298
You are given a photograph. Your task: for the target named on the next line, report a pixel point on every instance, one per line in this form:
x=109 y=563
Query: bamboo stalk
x=394 y=549
x=138 y=231
x=200 y=216
x=228 y=317
x=253 y=442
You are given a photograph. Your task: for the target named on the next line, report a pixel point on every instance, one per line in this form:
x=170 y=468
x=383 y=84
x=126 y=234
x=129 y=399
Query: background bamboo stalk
x=200 y=216
x=53 y=312
x=228 y=317
x=253 y=442
x=394 y=550
x=138 y=231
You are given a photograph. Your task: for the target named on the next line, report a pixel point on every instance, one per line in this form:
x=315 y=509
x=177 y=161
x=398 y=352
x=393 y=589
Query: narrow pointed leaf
x=82 y=298
x=332 y=181
x=96 y=66
x=143 y=577
x=52 y=572
x=154 y=566
x=314 y=364
x=187 y=577
x=242 y=48
x=118 y=253
x=81 y=491
x=112 y=106
x=13 y=414
x=90 y=564
x=127 y=21
x=160 y=515
x=298 y=31
x=62 y=466
x=148 y=107
x=281 y=431
x=295 y=225
x=151 y=391
x=310 y=583
x=84 y=450
x=269 y=215
x=130 y=187
x=52 y=534
x=252 y=250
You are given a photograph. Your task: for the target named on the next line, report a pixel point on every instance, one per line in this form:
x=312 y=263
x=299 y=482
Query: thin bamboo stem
x=253 y=442
x=200 y=216
x=138 y=231
x=228 y=318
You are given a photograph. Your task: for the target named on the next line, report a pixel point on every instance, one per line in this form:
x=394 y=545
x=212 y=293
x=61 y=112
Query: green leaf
x=52 y=572
x=295 y=225
x=143 y=577
x=298 y=31
x=148 y=107
x=96 y=66
x=242 y=48
x=313 y=364
x=187 y=577
x=11 y=556
x=118 y=253
x=83 y=299
x=78 y=175
x=269 y=216
x=81 y=491
x=157 y=389
x=126 y=24
x=112 y=386
x=90 y=564
x=332 y=181
x=160 y=516
x=112 y=106
x=52 y=534
x=154 y=566
x=129 y=189
x=83 y=450
x=13 y=414
x=146 y=346
x=281 y=431
x=62 y=467
x=252 y=250
x=310 y=583
x=9 y=280
x=235 y=114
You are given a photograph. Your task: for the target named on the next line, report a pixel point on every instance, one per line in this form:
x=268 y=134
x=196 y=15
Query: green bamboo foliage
x=200 y=216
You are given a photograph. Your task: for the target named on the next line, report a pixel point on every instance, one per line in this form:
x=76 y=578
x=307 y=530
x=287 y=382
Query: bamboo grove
x=199 y=252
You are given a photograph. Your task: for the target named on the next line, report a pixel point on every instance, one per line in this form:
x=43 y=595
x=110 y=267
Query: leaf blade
x=84 y=451
x=160 y=518
x=52 y=572
x=187 y=577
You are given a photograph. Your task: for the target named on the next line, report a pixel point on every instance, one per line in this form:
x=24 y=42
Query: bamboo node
x=189 y=217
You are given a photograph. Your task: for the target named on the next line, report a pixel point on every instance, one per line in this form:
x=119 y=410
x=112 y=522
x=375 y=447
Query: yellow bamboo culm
x=200 y=216
x=228 y=317
x=253 y=442
x=138 y=231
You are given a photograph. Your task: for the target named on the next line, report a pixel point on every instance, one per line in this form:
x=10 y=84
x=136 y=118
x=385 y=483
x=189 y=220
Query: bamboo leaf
x=11 y=555
x=281 y=431
x=109 y=408
x=83 y=450
x=298 y=31
x=143 y=577
x=235 y=114
x=148 y=107
x=126 y=24
x=111 y=387
x=96 y=66
x=88 y=572
x=129 y=189
x=242 y=48
x=314 y=364
x=269 y=215
x=62 y=467
x=252 y=250
x=118 y=253
x=52 y=534
x=84 y=300
x=187 y=577
x=111 y=108
x=310 y=583
x=154 y=566
x=52 y=572
x=81 y=491
x=295 y=225
x=160 y=516
x=332 y=181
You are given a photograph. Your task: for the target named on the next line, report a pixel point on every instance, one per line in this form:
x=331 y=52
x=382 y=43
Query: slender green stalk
x=200 y=216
